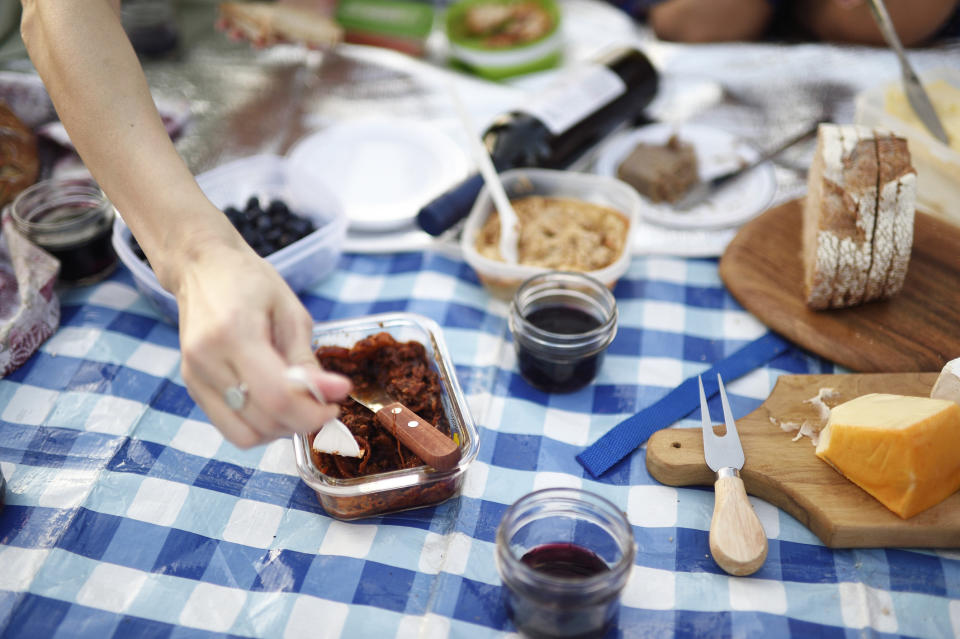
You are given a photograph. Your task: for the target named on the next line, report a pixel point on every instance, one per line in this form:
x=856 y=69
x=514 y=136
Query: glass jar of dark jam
x=562 y=323
x=564 y=556
x=151 y=26
x=72 y=220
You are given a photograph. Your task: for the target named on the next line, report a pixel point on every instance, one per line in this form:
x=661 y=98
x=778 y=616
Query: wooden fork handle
x=420 y=436
x=737 y=540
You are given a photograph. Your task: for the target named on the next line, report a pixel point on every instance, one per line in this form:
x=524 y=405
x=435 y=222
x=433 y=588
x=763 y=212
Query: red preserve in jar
x=72 y=220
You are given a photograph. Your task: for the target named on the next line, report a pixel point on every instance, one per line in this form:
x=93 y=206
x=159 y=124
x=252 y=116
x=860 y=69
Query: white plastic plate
x=717 y=152
x=383 y=170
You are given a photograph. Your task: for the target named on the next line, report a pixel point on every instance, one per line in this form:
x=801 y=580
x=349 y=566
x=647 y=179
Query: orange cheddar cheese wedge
x=905 y=451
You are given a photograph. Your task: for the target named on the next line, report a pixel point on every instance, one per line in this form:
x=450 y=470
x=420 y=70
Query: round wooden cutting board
x=916 y=330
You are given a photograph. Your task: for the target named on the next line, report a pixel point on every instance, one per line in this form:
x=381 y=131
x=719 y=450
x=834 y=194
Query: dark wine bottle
x=557 y=127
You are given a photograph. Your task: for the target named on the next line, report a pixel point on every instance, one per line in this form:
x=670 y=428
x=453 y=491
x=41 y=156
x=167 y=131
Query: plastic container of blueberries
x=408 y=488
x=502 y=279
x=301 y=264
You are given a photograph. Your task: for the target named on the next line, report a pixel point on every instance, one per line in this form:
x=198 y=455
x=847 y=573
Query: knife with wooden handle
x=737 y=540
x=414 y=432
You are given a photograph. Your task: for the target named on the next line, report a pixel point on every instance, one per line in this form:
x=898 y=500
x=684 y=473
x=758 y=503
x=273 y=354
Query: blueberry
x=271 y=229
x=273 y=233
x=301 y=226
x=277 y=207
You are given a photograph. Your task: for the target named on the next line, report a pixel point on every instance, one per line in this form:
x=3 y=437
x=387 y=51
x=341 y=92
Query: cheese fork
x=737 y=540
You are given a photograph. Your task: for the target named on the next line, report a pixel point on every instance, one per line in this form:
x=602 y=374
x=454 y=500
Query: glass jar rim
x=51 y=194
x=522 y=512
x=571 y=285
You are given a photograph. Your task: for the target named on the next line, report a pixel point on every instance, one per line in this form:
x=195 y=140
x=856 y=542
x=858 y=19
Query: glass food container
x=404 y=489
x=72 y=220
x=564 y=556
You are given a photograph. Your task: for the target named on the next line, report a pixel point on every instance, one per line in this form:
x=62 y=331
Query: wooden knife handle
x=737 y=540
x=420 y=436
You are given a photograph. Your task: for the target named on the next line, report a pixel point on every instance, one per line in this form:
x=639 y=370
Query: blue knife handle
x=450 y=207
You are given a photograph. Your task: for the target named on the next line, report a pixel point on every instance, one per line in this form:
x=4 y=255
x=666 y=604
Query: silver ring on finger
x=236 y=396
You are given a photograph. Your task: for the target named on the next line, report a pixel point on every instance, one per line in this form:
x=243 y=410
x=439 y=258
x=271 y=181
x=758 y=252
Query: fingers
x=232 y=426
x=250 y=335
x=274 y=406
x=292 y=339
x=269 y=410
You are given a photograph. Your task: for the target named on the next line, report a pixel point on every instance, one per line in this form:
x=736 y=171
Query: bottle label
x=581 y=92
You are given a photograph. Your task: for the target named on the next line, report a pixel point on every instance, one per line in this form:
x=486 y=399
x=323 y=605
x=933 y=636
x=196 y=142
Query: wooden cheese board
x=788 y=474
x=916 y=330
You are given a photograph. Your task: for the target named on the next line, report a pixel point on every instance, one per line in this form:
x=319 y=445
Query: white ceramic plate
x=717 y=152
x=383 y=170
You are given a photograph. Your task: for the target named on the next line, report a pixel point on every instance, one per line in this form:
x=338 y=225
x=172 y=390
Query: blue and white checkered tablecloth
x=128 y=515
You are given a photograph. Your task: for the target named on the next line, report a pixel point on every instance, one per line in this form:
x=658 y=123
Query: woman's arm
x=239 y=321
x=850 y=21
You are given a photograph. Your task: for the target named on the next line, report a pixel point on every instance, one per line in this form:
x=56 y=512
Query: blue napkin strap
x=626 y=436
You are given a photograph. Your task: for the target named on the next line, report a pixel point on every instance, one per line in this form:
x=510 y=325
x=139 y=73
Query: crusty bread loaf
x=897 y=179
x=857 y=218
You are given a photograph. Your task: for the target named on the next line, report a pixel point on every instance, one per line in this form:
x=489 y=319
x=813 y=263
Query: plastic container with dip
x=72 y=220
x=564 y=556
x=562 y=323
x=502 y=279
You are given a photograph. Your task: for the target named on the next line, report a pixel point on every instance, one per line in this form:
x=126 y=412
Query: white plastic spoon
x=508 y=217
x=334 y=436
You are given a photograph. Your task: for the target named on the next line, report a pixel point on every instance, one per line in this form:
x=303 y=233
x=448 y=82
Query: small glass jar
x=562 y=323
x=564 y=556
x=72 y=220
x=151 y=26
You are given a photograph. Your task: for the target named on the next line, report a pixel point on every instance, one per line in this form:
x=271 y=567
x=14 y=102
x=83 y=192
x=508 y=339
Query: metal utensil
x=334 y=437
x=508 y=217
x=916 y=95
x=706 y=189
x=414 y=432
x=737 y=541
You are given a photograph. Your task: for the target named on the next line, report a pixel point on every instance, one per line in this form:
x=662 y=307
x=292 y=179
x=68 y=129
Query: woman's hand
x=241 y=327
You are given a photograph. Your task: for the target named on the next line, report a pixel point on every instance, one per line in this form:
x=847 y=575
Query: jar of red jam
x=562 y=323
x=72 y=220
x=564 y=556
